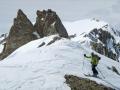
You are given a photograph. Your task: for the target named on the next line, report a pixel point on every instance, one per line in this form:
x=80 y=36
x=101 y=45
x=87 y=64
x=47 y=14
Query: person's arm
x=87 y=56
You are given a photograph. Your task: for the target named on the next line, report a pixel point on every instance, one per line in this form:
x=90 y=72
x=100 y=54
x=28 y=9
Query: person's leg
x=93 y=69
x=95 y=72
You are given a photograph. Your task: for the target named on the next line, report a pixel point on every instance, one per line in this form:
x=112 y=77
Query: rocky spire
x=23 y=31
x=20 y=33
x=48 y=23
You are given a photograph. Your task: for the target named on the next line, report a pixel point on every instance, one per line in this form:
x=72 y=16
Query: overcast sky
x=68 y=10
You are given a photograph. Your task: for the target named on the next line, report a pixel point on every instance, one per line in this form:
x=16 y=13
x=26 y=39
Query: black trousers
x=95 y=72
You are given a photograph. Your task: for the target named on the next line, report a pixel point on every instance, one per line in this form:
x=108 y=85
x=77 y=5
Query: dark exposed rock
x=23 y=31
x=42 y=44
x=4 y=38
x=20 y=33
x=103 y=47
x=77 y=83
x=54 y=39
x=113 y=68
x=72 y=36
x=48 y=23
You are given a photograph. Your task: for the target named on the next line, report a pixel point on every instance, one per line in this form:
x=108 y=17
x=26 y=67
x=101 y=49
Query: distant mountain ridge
x=103 y=42
x=97 y=35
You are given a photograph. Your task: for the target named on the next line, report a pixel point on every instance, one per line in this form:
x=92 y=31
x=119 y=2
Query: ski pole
x=101 y=72
x=83 y=64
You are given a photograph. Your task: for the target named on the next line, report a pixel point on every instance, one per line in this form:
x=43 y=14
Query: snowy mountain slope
x=43 y=68
x=84 y=26
x=96 y=34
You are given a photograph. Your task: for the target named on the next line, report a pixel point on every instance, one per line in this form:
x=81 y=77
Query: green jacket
x=94 y=59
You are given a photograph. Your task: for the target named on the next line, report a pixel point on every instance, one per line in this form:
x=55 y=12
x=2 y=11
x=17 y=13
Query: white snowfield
x=43 y=68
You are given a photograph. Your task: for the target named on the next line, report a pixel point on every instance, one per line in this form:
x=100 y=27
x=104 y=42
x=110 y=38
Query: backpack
x=98 y=57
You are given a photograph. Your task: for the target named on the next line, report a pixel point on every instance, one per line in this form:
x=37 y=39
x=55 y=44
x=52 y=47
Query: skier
x=94 y=61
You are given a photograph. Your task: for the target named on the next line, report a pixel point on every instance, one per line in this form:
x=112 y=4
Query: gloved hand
x=84 y=55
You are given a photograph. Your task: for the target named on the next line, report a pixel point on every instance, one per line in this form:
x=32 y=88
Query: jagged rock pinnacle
x=48 y=23
x=20 y=33
x=23 y=31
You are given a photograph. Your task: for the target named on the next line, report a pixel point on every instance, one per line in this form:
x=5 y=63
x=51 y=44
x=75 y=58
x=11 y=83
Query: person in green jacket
x=94 y=61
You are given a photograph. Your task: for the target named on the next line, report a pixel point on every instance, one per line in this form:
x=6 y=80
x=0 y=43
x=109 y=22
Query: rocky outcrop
x=54 y=40
x=48 y=23
x=104 y=43
x=3 y=38
x=20 y=33
x=77 y=83
x=23 y=31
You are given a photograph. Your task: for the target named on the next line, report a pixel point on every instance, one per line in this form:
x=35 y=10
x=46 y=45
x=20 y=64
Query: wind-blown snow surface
x=43 y=68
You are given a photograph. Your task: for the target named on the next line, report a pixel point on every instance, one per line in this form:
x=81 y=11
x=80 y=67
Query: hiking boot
x=94 y=75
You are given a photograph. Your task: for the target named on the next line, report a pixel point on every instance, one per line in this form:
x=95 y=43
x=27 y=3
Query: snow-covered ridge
x=82 y=26
x=98 y=32
x=86 y=25
x=31 y=67
x=43 y=68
